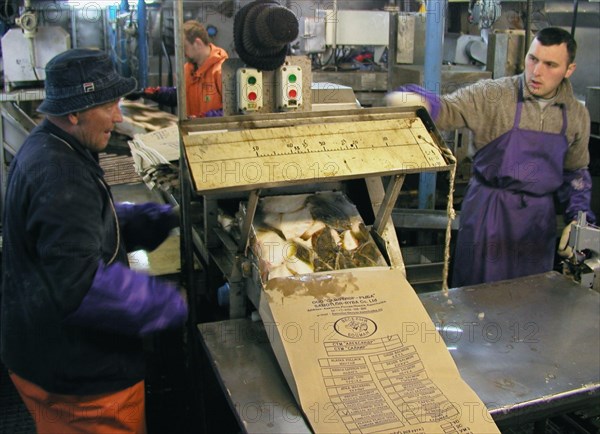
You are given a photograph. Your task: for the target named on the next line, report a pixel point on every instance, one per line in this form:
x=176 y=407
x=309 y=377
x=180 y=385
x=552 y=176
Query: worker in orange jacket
x=202 y=71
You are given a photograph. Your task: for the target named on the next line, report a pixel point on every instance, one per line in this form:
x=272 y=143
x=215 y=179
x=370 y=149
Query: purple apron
x=507 y=220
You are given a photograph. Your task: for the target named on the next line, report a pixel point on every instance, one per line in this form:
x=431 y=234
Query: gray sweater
x=488 y=109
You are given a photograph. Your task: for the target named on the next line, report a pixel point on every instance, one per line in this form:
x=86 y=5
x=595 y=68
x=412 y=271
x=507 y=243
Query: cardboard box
x=361 y=355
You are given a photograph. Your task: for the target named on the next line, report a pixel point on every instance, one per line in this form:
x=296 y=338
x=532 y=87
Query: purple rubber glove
x=576 y=193
x=214 y=113
x=433 y=100
x=163 y=95
x=146 y=225
x=124 y=301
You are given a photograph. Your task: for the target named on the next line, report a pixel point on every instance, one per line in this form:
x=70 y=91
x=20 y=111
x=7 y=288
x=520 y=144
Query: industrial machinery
x=342 y=151
x=484 y=13
x=514 y=366
x=35 y=31
x=242 y=159
x=584 y=265
x=27 y=48
x=263 y=181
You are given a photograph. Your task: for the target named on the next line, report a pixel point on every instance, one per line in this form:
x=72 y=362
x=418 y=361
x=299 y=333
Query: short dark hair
x=193 y=29
x=556 y=36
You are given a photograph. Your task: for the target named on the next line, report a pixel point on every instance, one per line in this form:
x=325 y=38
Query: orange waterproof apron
x=111 y=413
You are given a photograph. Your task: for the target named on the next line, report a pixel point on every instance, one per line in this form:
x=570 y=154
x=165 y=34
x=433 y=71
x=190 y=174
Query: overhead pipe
x=164 y=52
x=334 y=43
x=142 y=45
x=187 y=243
x=434 y=41
x=574 y=23
x=162 y=45
x=179 y=60
x=122 y=50
x=528 y=13
x=29 y=23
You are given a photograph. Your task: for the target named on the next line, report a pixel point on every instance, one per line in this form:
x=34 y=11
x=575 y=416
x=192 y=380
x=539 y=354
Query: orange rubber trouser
x=111 y=413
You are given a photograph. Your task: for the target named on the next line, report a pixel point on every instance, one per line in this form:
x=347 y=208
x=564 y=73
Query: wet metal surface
x=253 y=384
x=529 y=347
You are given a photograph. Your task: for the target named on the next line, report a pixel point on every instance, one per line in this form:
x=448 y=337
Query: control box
x=288 y=79
x=249 y=87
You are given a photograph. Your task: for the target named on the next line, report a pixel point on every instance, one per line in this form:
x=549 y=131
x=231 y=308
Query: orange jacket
x=203 y=85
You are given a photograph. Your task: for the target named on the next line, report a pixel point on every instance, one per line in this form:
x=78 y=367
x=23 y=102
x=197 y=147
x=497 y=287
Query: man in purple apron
x=530 y=136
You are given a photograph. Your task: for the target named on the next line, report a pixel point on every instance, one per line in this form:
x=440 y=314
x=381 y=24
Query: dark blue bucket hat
x=80 y=79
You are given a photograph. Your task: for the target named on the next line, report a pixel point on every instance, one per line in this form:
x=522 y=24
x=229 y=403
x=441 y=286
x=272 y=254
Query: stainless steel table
x=529 y=347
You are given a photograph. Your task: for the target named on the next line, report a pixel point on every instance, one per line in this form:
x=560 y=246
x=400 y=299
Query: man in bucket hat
x=73 y=314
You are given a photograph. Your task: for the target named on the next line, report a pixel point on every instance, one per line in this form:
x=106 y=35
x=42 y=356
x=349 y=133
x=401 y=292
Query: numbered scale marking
x=256 y=158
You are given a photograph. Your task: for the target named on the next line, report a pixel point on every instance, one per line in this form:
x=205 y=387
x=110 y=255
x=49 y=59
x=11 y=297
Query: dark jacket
x=61 y=234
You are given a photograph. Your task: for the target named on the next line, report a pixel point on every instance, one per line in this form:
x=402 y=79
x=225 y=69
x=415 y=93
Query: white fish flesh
x=271 y=248
x=294 y=224
x=283 y=204
x=348 y=240
x=302 y=234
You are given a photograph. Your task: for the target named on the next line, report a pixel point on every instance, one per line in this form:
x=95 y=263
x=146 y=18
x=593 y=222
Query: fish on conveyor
x=333 y=209
x=367 y=255
x=283 y=204
x=325 y=245
x=306 y=233
x=270 y=248
x=294 y=224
